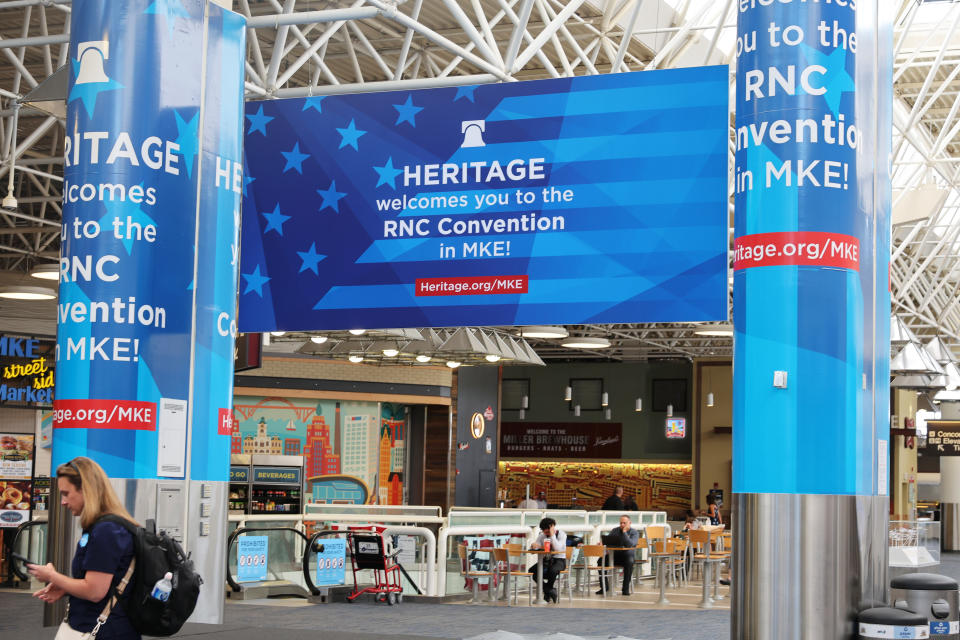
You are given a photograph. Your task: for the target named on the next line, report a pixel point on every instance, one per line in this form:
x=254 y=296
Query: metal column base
x=804 y=565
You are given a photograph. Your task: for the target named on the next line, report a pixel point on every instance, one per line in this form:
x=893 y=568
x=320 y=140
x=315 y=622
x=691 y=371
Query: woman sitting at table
x=556 y=561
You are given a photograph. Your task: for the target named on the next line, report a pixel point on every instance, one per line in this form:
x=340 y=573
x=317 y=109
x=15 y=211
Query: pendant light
x=639 y=405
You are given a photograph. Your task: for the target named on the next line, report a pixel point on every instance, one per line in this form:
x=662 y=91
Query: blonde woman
x=101 y=561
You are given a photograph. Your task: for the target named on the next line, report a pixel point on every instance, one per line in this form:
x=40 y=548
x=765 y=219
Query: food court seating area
x=679 y=569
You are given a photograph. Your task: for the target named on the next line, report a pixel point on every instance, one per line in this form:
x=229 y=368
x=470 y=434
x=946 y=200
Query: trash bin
x=884 y=622
x=933 y=596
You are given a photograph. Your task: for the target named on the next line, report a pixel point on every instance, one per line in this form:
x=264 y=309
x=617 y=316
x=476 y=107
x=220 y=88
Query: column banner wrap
x=148 y=270
x=811 y=299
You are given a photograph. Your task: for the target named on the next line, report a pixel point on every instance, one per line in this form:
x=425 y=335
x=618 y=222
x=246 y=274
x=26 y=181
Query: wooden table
x=540 y=553
x=661 y=557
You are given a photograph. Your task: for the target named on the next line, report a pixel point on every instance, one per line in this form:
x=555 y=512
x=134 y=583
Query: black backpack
x=156 y=554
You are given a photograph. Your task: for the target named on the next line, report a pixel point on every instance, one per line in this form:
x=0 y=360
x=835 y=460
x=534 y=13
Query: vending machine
x=276 y=484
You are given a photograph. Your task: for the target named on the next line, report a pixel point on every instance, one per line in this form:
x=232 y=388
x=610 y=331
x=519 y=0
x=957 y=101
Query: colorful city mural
x=352 y=453
x=656 y=487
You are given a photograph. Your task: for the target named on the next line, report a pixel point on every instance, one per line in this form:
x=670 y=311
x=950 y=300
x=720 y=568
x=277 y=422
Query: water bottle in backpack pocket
x=163 y=587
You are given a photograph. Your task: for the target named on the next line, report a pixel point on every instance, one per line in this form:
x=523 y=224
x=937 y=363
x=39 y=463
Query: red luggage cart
x=368 y=550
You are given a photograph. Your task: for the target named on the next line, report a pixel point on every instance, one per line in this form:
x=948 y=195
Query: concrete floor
x=635 y=617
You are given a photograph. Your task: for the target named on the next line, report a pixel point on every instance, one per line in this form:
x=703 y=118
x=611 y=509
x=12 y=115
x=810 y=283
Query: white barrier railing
x=466 y=530
x=429 y=555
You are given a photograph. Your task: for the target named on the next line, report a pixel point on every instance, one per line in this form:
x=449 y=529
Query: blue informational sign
x=331 y=567
x=253 y=553
x=277 y=475
x=812 y=236
x=152 y=184
x=574 y=200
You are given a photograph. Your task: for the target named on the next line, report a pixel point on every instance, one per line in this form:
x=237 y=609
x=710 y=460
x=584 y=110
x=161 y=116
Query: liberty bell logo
x=91 y=55
x=472 y=131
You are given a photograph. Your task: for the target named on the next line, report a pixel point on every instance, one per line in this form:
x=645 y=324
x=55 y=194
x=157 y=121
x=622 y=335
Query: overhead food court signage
x=561 y=440
x=26 y=371
x=587 y=199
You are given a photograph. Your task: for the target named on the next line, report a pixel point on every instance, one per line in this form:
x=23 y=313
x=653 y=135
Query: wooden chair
x=564 y=577
x=467 y=572
x=655 y=532
x=595 y=552
x=517 y=557
x=702 y=551
x=678 y=566
x=510 y=575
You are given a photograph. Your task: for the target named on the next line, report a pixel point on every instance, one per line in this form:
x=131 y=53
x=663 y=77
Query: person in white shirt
x=542 y=500
x=554 y=563
x=528 y=503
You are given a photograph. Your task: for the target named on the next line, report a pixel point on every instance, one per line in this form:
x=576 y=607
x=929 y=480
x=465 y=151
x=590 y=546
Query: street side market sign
x=26 y=371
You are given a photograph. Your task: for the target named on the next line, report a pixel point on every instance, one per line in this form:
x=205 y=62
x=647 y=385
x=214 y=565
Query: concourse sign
x=943 y=438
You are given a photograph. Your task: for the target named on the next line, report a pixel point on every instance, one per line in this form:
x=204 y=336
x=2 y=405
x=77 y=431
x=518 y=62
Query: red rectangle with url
x=470 y=286
x=105 y=414
x=798 y=248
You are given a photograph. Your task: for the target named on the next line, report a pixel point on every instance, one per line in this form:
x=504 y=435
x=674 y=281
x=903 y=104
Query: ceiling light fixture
x=318 y=339
x=568 y=394
x=46 y=272
x=492 y=357
x=525 y=402
x=355 y=359
x=453 y=364
x=423 y=358
x=278 y=333
x=715 y=330
x=391 y=353
x=639 y=405
x=27 y=293
x=607 y=413
x=709 y=399
x=669 y=410
x=585 y=343
x=604 y=399
x=546 y=332
x=576 y=410
x=357 y=332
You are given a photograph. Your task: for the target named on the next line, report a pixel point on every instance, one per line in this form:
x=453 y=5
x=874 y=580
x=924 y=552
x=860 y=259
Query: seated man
x=623 y=536
x=554 y=563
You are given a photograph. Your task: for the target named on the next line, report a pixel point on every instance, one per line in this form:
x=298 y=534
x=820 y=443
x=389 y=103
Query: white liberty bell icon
x=91 y=55
x=472 y=131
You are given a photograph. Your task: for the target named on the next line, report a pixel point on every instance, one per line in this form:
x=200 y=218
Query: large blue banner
x=152 y=181
x=575 y=200
x=811 y=251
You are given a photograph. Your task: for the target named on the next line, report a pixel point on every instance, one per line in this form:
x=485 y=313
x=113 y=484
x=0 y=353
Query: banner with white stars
x=811 y=303
x=150 y=237
x=575 y=200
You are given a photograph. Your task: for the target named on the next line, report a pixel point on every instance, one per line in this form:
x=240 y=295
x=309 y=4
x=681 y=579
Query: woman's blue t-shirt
x=108 y=548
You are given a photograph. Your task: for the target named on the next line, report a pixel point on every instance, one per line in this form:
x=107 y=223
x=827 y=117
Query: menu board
x=16 y=456
x=16 y=472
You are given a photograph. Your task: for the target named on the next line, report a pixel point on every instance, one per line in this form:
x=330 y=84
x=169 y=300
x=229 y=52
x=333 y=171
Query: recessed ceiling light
x=453 y=364
x=278 y=333
x=318 y=339
x=358 y=332
x=574 y=342
x=27 y=293
x=46 y=271
x=539 y=331
x=717 y=330
x=355 y=358
x=391 y=353
x=423 y=358
x=492 y=357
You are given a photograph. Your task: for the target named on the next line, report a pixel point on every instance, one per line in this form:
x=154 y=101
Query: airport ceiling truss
x=324 y=47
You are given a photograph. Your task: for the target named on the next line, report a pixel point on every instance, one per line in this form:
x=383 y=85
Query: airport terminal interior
x=395 y=427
